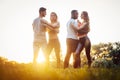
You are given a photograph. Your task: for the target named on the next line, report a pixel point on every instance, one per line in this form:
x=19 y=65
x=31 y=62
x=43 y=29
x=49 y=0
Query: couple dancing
x=40 y=27
x=77 y=39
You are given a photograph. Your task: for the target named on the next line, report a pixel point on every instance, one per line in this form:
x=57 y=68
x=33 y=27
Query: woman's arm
x=76 y=27
x=48 y=25
x=83 y=25
x=56 y=25
x=79 y=27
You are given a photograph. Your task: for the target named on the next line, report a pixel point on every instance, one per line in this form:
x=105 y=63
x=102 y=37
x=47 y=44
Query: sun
x=41 y=57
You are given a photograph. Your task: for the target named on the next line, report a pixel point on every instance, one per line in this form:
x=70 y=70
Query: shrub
x=103 y=63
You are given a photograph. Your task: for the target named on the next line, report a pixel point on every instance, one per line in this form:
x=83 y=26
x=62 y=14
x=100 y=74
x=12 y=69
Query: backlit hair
x=85 y=13
x=55 y=15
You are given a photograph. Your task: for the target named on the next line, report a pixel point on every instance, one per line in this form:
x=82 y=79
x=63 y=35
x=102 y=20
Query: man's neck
x=40 y=16
x=73 y=18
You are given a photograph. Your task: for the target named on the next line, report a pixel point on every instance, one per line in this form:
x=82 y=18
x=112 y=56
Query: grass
x=17 y=71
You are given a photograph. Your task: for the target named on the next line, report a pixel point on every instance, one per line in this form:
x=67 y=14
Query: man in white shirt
x=72 y=39
x=39 y=28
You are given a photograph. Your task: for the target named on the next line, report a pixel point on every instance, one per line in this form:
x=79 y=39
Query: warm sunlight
x=22 y=34
x=41 y=57
x=16 y=33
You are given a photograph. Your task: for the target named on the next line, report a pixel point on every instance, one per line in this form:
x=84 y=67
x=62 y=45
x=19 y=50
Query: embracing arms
x=79 y=27
x=55 y=27
x=82 y=28
x=48 y=25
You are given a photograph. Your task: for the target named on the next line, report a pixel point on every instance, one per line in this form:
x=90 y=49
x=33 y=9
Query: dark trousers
x=54 y=44
x=83 y=43
x=71 y=47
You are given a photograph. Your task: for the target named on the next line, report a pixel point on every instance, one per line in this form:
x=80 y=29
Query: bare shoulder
x=43 y=20
x=35 y=20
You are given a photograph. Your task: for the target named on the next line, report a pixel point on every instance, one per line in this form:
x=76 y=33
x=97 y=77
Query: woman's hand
x=79 y=23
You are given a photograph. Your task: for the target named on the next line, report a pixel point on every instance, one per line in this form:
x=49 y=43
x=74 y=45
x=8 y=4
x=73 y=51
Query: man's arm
x=48 y=25
x=57 y=26
x=33 y=26
x=77 y=27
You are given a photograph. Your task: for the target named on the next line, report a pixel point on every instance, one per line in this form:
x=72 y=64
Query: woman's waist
x=81 y=35
x=53 y=37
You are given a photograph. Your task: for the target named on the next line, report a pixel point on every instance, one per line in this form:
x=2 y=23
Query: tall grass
x=16 y=71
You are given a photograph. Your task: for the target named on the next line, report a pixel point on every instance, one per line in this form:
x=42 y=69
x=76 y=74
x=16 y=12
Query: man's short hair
x=73 y=11
x=42 y=9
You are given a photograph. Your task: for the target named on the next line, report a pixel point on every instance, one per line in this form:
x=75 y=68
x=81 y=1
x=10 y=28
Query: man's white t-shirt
x=70 y=32
x=39 y=31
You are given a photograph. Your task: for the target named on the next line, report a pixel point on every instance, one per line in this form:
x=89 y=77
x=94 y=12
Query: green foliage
x=103 y=63
x=102 y=48
x=115 y=53
x=106 y=55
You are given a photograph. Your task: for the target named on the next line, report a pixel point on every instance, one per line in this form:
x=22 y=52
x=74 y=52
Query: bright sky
x=16 y=17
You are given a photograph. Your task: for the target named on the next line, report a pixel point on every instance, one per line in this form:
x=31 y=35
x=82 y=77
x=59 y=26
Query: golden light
x=41 y=57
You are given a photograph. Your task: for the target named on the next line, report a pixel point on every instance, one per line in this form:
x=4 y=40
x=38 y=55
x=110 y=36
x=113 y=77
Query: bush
x=115 y=53
x=103 y=63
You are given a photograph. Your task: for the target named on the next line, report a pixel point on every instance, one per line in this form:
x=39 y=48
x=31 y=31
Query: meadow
x=10 y=70
x=105 y=66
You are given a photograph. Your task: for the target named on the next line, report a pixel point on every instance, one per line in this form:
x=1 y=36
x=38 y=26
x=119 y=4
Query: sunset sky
x=16 y=17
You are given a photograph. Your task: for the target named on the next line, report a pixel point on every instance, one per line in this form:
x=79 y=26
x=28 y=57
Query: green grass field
x=17 y=71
